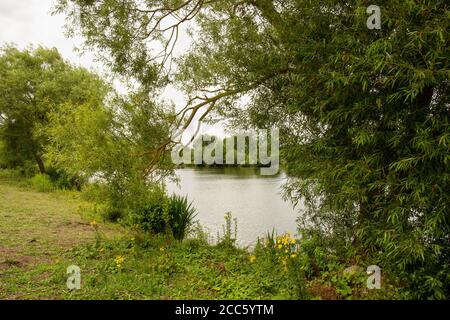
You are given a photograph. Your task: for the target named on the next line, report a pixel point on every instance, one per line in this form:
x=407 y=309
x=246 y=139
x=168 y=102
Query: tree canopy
x=35 y=83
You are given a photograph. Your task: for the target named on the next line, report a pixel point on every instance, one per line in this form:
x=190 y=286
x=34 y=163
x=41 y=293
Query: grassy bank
x=41 y=234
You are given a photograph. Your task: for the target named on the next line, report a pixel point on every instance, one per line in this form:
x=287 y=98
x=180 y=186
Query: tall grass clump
x=181 y=215
x=42 y=183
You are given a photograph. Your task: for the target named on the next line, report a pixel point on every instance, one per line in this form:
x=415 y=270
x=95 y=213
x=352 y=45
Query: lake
x=253 y=199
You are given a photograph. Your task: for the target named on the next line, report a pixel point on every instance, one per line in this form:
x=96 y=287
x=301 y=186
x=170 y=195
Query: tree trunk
x=40 y=163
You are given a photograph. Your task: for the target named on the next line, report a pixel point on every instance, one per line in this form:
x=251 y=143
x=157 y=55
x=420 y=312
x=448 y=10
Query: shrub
x=112 y=214
x=3 y=155
x=10 y=174
x=63 y=180
x=28 y=169
x=151 y=214
x=181 y=216
x=95 y=192
x=42 y=183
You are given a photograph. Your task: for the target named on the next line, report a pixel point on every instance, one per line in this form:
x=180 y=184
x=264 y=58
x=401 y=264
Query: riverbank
x=42 y=234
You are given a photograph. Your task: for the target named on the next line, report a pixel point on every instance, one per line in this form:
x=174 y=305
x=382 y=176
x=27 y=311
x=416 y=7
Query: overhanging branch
x=187 y=115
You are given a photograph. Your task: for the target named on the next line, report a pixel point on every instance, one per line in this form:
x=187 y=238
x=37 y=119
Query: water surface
x=253 y=199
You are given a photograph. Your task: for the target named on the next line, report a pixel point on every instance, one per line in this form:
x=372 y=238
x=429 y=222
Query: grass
x=42 y=234
x=36 y=229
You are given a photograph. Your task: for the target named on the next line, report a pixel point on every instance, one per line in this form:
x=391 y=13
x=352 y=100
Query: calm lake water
x=253 y=199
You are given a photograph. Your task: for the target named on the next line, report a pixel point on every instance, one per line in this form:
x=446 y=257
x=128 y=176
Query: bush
x=10 y=174
x=3 y=158
x=112 y=214
x=28 y=169
x=95 y=192
x=63 y=180
x=181 y=216
x=151 y=215
x=42 y=183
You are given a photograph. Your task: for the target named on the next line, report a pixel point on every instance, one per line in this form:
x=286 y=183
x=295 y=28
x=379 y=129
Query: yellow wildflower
x=119 y=260
x=252 y=259
x=93 y=223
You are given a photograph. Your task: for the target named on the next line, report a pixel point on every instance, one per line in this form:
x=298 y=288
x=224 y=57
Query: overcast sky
x=26 y=22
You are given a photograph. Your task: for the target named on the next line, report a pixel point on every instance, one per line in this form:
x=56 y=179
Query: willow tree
x=363 y=112
x=34 y=83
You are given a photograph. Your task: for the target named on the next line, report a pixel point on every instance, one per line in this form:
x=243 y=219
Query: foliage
x=94 y=192
x=42 y=183
x=3 y=158
x=229 y=236
x=9 y=174
x=181 y=216
x=119 y=263
x=113 y=214
x=174 y=214
x=363 y=114
x=28 y=168
x=152 y=214
x=62 y=180
x=112 y=145
x=35 y=83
